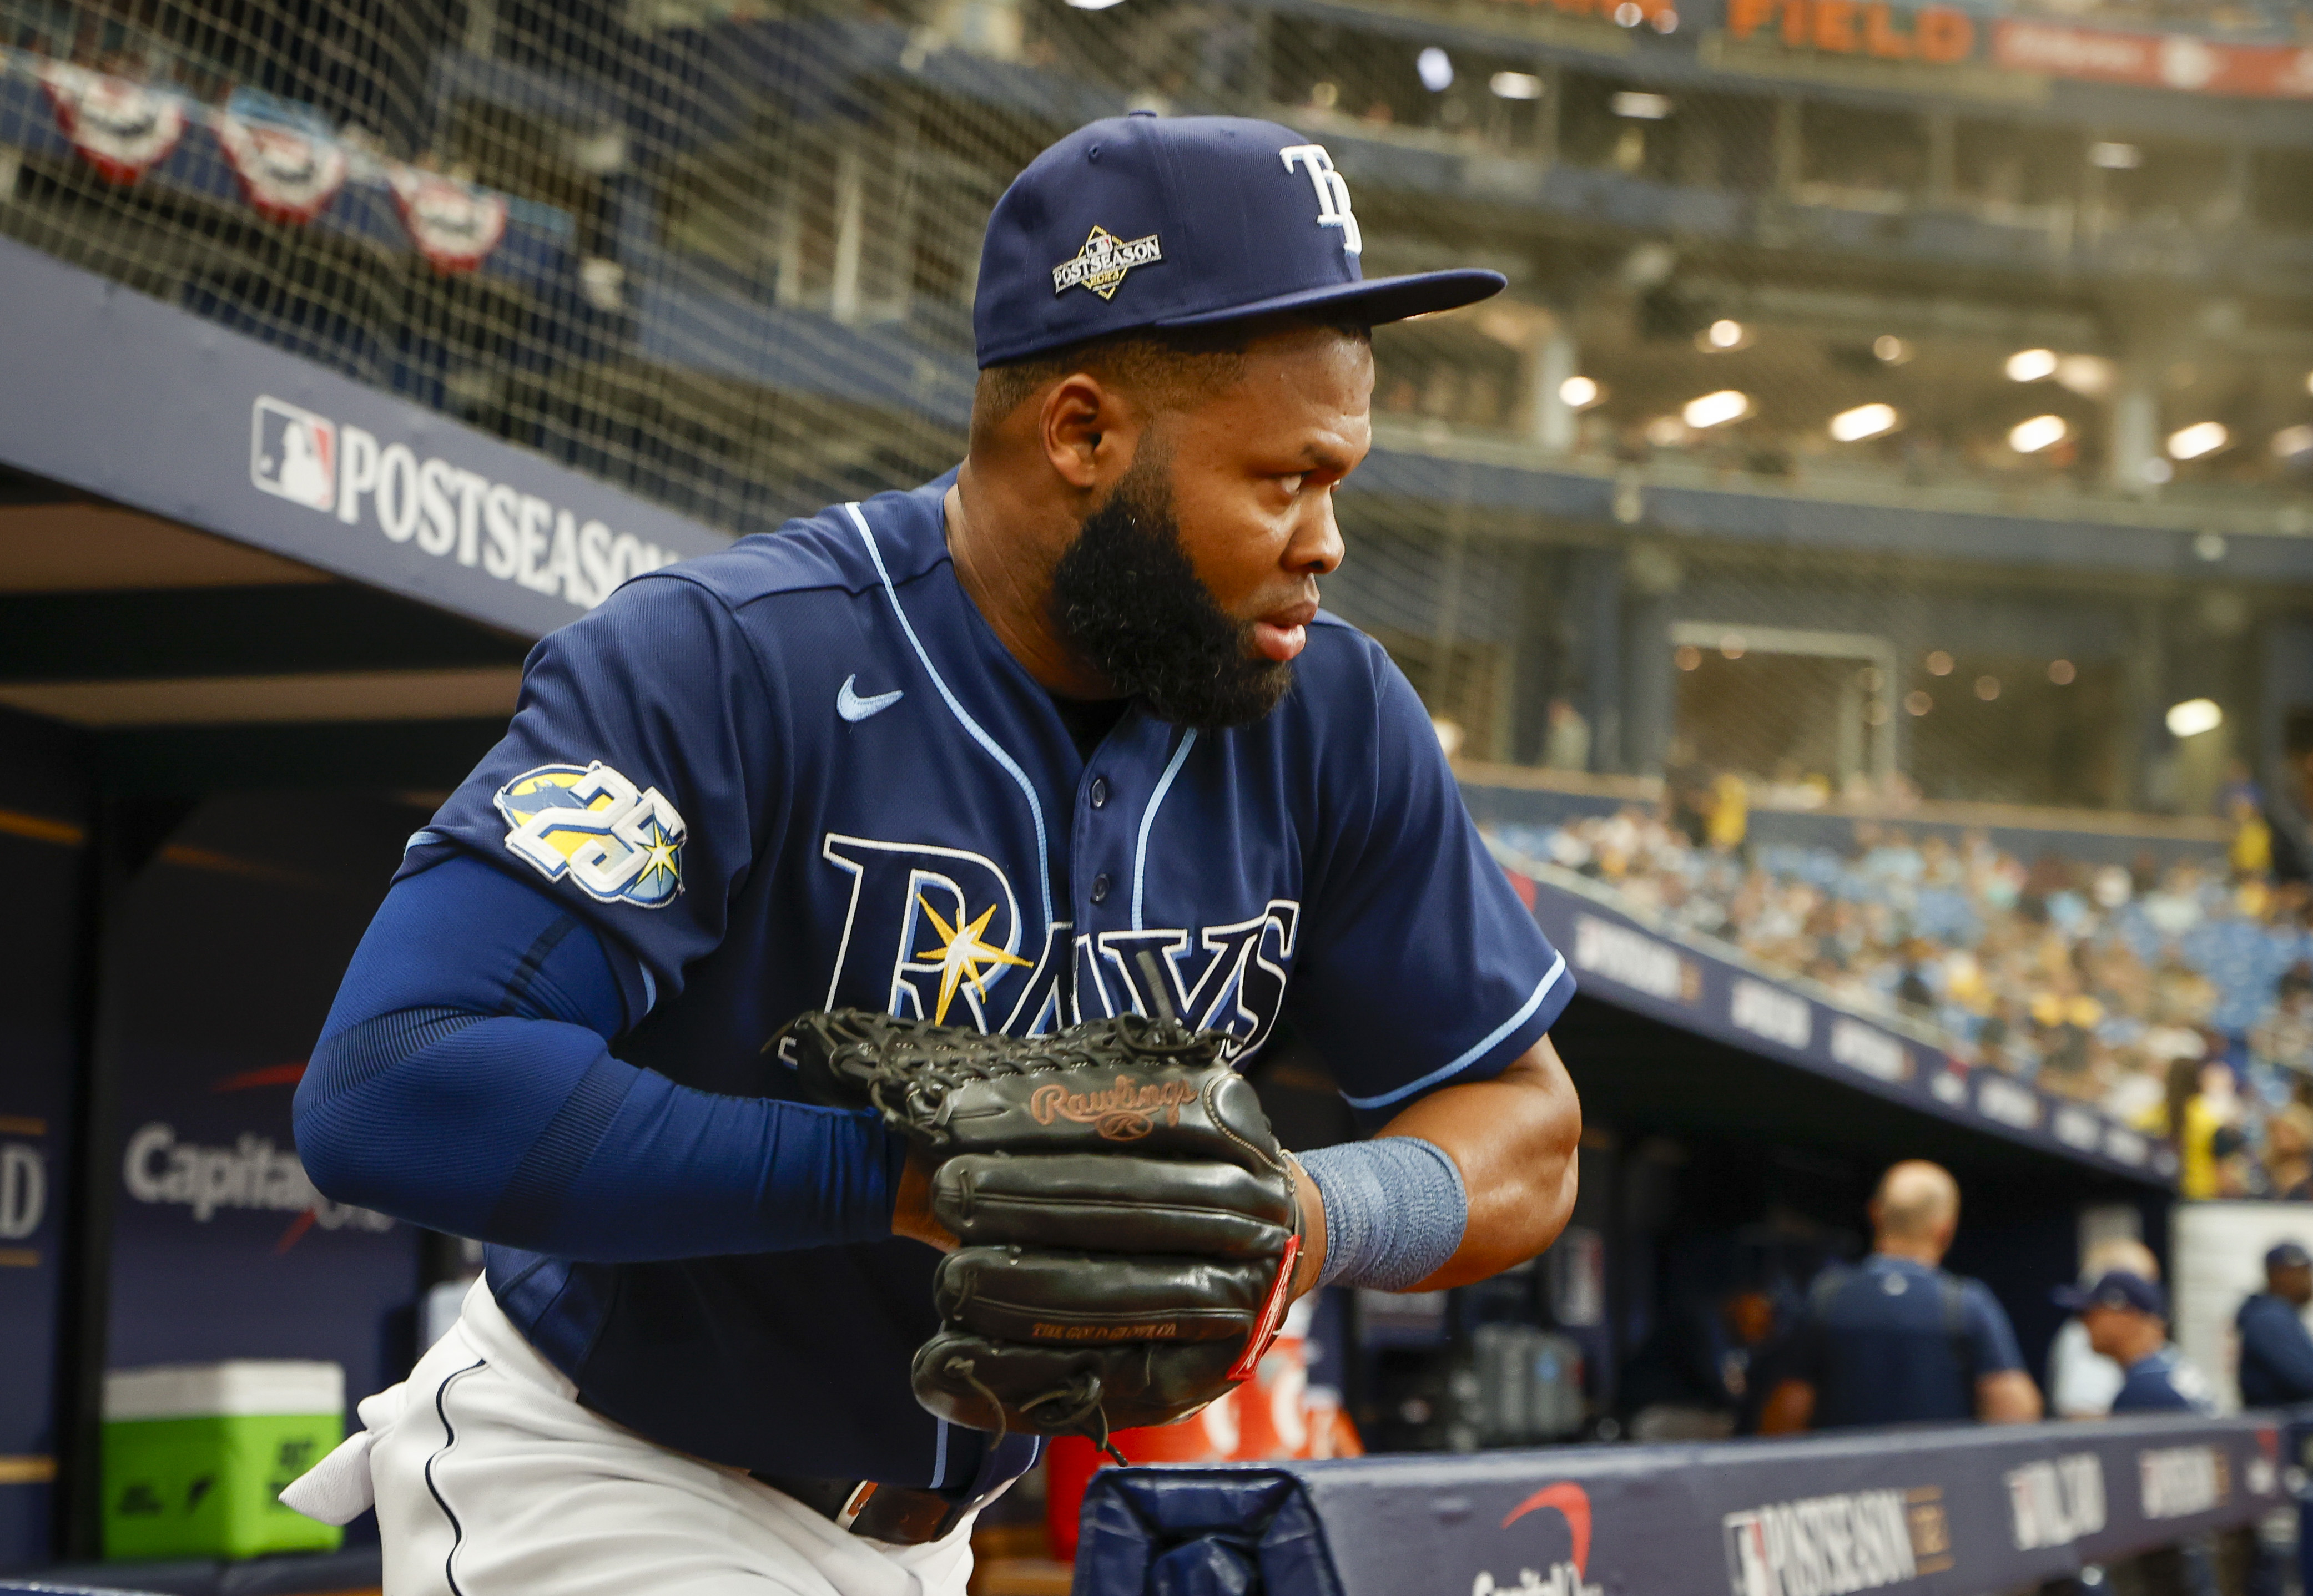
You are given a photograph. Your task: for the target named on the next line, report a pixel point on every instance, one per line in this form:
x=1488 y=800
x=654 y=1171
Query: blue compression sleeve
x=464 y=1082
x=1395 y=1209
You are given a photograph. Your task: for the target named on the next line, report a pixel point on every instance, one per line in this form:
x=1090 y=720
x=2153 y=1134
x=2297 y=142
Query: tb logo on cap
x=1333 y=193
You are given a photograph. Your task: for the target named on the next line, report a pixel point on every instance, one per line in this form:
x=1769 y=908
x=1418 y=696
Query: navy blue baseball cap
x=2287 y=1255
x=2116 y=1288
x=1147 y=220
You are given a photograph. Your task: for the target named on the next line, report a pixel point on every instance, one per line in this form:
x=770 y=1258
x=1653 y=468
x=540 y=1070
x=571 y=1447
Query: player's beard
x=1127 y=597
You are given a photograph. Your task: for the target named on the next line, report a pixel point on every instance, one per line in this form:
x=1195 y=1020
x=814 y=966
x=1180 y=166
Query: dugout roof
x=198 y=566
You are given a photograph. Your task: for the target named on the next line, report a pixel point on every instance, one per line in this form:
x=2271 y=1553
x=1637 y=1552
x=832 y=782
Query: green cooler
x=195 y=1454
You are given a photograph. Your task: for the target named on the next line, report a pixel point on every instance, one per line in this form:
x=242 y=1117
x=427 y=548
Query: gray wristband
x=1394 y=1211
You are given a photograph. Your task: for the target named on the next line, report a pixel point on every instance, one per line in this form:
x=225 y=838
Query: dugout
x=1735 y=1127
x=255 y=621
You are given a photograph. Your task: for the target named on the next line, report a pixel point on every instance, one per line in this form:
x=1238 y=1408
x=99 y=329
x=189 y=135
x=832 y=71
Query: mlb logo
x=1749 y=1569
x=293 y=453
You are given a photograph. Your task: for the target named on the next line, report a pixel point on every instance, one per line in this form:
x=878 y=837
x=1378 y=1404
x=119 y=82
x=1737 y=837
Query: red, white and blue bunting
x=289 y=174
x=119 y=128
x=454 y=224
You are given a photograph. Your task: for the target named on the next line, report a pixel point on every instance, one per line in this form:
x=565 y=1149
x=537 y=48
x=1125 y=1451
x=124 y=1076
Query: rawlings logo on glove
x=1122 y=1113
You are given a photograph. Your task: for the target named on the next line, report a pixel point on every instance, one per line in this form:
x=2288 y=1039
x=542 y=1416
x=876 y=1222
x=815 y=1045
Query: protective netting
x=1893 y=408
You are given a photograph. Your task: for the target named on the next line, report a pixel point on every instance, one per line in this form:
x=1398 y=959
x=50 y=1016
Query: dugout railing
x=1936 y=1510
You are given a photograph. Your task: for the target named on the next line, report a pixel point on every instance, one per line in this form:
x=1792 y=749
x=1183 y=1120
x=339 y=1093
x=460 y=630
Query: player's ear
x=1088 y=429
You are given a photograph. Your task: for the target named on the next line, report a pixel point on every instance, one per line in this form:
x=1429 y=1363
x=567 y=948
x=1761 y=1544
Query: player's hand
x=911 y=1214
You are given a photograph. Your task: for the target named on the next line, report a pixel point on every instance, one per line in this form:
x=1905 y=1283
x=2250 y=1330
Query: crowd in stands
x=2176 y=997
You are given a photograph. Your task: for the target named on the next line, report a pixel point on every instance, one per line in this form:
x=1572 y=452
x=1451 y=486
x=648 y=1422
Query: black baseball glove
x=1128 y=1219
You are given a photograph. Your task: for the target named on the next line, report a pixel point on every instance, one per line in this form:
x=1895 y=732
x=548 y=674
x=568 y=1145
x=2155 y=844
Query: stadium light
x=1435 y=69
x=2291 y=441
x=2029 y=365
x=2114 y=156
x=1724 y=334
x=1715 y=410
x=1864 y=421
x=1891 y=349
x=2203 y=437
x=2061 y=672
x=1940 y=664
x=1515 y=86
x=1580 y=392
x=2195 y=716
x=1639 y=107
x=2030 y=437
x=2091 y=376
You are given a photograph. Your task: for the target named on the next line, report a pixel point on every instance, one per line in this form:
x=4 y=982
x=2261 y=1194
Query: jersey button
x=1100 y=887
x=1100 y=792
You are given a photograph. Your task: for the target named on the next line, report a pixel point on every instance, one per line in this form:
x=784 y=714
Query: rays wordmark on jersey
x=936 y=933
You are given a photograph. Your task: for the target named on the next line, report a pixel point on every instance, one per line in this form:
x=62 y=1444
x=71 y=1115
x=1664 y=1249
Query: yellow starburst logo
x=660 y=857
x=962 y=956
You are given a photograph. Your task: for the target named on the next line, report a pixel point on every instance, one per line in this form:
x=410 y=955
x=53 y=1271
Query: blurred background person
x=2127 y=1320
x=1897 y=1339
x=2277 y=1353
x=1566 y=742
x=2081 y=1380
x=1697 y=1377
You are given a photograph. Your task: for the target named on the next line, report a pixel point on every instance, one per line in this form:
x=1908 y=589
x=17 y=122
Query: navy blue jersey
x=2276 y=1355
x=2163 y=1382
x=1893 y=1341
x=805 y=773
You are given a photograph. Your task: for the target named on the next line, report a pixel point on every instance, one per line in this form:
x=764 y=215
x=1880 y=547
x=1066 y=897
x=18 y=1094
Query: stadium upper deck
x=1804 y=292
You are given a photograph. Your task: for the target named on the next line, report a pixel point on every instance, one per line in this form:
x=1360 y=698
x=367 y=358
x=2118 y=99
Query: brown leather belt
x=903 y=1515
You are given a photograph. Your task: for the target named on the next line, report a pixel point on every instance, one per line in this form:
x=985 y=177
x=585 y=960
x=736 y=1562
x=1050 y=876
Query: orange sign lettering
x=1937 y=34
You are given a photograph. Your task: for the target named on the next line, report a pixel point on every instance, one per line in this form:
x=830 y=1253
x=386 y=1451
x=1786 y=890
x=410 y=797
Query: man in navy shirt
x=1896 y=1339
x=2127 y=1320
x=1061 y=734
x=2276 y=1355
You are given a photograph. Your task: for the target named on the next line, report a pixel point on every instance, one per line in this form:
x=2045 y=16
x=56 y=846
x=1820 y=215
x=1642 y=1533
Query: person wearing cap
x=1058 y=736
x=2081 y=1380
x=1897 y=1339
x=2127 y=1320
x=2276 y=1355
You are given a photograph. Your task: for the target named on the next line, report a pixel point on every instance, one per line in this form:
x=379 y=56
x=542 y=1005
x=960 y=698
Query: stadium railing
x=1949 y=1511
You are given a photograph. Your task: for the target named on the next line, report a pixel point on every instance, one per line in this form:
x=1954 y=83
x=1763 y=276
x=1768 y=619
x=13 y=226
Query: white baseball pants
x=490 y=1480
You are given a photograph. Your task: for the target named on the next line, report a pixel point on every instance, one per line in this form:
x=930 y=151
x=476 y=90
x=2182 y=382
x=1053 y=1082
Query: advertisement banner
x=1923 y=1512
x=1944 y=38
x=2155 y=60
x=220 y=431
x=40 y=859
x=231 y=944
x=43 y=861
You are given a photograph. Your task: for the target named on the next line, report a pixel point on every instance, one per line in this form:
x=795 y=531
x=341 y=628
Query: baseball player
x=1058 y=736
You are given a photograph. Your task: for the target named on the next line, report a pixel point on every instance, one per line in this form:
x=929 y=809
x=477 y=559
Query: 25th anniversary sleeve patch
x=620 y=843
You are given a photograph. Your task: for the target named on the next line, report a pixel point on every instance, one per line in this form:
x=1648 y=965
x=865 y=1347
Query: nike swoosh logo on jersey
x=851 y=706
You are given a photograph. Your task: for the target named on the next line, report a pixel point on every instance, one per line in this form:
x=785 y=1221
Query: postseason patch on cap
x=1101 y=265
